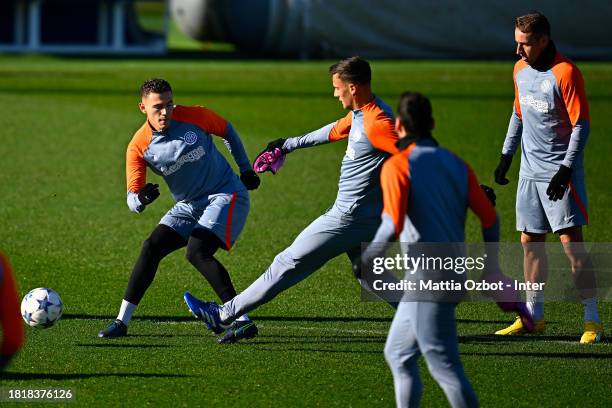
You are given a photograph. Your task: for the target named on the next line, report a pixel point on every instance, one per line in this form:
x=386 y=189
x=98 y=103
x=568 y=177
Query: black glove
x=505 y=161
x=490 y=193
x=148 y=193
x=250 y=179
x=278 y=143
x=559 y=183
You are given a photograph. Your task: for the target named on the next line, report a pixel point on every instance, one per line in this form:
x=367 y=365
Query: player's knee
x=201 y=248
x=390 y=354
x=284 y=260
x=149 y=248
x=154 y=249
x=532 y=238
x=198 y=252
x=533 y=249
x=283 y=268
x=393 y=355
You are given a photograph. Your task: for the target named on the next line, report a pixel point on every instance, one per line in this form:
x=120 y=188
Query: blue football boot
x=208 y=312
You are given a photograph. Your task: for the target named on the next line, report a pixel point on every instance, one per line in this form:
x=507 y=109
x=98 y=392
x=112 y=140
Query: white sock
x=535 y=303
x=125 y=311
x=222 y=313
x=243 y=318
x=590 y=309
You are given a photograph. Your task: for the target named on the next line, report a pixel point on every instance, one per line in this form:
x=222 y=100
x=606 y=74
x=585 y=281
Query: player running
x=212 y=203
x=550 y=120
x=355 y=214
x=10 y=319
x=427 y=191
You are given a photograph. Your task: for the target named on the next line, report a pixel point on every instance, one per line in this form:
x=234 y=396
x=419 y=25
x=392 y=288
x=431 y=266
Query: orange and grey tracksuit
x=351 y=220
x=550 y=121
x=207 y=192
x=427 y=191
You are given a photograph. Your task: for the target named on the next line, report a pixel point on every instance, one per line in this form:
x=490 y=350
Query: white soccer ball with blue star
x=41 y=307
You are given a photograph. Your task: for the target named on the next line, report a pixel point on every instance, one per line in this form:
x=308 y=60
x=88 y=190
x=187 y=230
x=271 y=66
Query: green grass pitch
x=64 y=223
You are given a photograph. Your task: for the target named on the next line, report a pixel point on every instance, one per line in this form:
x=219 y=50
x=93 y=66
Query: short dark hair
x=353 y=70
x=533 y=22
x=415 y=113
x=154 y=85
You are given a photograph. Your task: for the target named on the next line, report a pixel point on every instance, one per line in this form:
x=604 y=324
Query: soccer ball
x=41 y=307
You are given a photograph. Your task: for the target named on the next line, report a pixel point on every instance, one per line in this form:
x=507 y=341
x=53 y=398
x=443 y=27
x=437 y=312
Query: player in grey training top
x=212 y=203
x=355 y=215
x=551 y=121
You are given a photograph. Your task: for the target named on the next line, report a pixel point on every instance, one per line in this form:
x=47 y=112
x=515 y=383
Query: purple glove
x=269 y=160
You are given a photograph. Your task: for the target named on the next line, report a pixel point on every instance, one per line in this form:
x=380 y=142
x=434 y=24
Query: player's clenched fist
x=250 y=179
x=502 y=168
x=148 y=193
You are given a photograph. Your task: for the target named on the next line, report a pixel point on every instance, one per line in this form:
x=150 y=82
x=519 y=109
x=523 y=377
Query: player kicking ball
x=551 y=122
x=355 y=214
x=212 y=203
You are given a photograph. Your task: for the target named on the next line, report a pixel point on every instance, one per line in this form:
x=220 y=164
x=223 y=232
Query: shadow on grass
x=573 y=356
x=315 y=319
x=169 y=335
x=346 y=340
x=491 y=338
x=81 y=316
x=322 y=319
x=475 y=321
x=81 y=376
x=122 y=345
x=319 y=350
x=323 y=336
x=78 y=316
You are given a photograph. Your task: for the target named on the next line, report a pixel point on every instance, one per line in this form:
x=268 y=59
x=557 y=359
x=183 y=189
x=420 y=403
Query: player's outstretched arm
x=314 y=138
x=272 y=157
x=327 y=134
